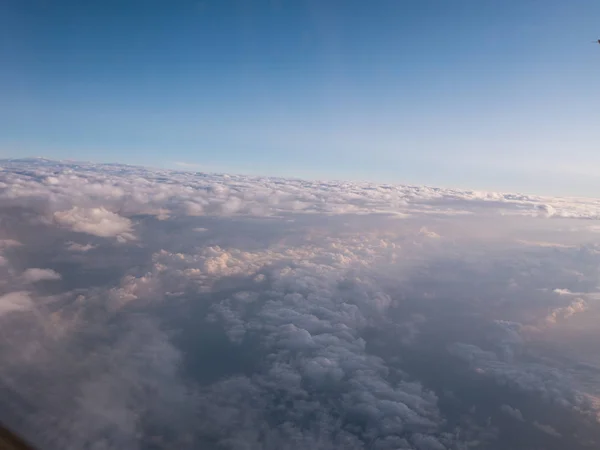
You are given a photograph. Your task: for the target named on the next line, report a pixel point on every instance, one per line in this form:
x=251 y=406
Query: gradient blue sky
x=489 y=94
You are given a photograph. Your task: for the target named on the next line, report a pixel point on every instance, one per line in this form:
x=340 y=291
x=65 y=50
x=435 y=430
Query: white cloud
x=130 y=190
x=427 y=233
x=15 y=301
x=95 y=221
x=75 y=247
x=576 y=306
x=34 y=275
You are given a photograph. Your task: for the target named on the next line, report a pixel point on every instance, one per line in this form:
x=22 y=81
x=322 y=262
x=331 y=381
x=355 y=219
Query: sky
x=499 y=95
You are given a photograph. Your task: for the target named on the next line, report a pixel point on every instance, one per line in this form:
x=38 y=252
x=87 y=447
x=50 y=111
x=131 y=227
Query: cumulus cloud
x=430 y=234
x=576 y=306
x=15 y=301
x=235 y=312
x=95 y=221
x=34 y=275
x=126 y=190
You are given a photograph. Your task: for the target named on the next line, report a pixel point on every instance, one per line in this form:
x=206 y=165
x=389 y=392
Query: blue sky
x=494 y=94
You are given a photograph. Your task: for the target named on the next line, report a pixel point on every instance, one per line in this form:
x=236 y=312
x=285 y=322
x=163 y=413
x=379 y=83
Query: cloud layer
x=160 y=309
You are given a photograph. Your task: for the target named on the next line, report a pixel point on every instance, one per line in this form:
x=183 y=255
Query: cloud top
x=147 y=309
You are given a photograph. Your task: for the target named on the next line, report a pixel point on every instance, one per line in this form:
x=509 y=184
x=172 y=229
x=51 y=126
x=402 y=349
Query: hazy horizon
x=206 y=169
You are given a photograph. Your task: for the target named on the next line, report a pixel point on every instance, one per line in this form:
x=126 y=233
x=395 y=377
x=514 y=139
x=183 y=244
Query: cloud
x=236 y=312
x=15 y=301
x=127 y=190
x=75 y=247
x=35 y=275
x=547 y=429
x=9 y=243
x=576 y=306
x=546 y=210
x=430 y=234
x=95 y=221
x=512 y=412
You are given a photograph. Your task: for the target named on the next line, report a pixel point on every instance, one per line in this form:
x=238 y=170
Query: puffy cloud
x=126 y=190
x=15 y=301
x=430 y=234
x=576 y=306
x=95 y=221
x=546 y=210
x=267 y=313
x=34 y=275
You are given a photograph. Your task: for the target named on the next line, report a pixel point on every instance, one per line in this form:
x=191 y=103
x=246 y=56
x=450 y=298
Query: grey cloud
x=512 y=412
x=547 y=429
x=427 y=443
